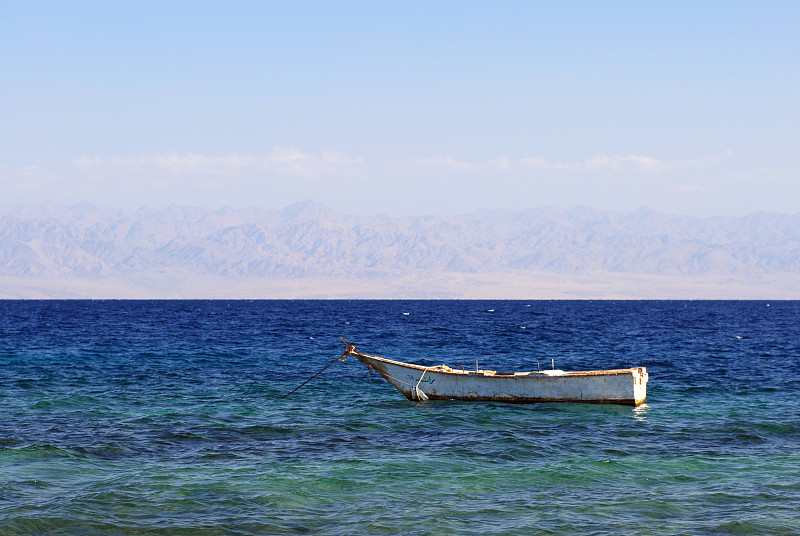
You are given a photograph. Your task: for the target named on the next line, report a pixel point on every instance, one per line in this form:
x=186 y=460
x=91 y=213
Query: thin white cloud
x=21 y=179
x=536 y=161
x=502 y=163
x=288 y=160
x=499 y=163
x=280 y=160
x=87 y=163
x=687 y=189
x=177 y=163
x=617 y=163
x=293 y=161
x=340 y=159
x=445 y=162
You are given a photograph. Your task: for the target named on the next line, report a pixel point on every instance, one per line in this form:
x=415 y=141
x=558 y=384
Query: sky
x=403 y=108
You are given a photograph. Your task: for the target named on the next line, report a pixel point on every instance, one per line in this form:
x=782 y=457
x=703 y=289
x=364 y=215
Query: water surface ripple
x=166 y=417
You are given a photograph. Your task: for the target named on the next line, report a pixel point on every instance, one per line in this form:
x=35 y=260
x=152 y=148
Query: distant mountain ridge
x=309 y=240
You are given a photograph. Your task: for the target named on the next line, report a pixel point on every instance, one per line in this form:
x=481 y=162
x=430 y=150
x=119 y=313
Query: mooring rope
x=341 y=359
x=414 y=388
x=351 y=350
x=421 y=394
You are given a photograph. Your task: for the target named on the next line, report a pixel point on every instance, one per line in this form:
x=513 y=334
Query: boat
x=441 y=382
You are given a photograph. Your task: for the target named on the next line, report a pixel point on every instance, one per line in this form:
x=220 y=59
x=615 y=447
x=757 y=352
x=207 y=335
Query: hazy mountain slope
x=310 y=240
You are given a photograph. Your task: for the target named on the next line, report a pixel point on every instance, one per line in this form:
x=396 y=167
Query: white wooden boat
x=416 y=382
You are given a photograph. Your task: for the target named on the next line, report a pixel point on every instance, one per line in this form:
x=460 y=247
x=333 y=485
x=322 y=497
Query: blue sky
x=403 y=107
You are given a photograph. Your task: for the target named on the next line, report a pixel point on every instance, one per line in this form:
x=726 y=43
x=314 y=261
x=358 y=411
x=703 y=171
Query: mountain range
x=310 y=250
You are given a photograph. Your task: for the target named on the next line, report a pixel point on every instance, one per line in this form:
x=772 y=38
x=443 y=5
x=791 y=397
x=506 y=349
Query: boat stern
x=640 y=378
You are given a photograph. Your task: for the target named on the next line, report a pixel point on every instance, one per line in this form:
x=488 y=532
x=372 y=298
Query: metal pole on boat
x=476 y=365
x=553 y=364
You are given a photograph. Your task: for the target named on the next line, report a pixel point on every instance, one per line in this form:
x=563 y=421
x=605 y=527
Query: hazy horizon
x=358 y=211
x=310 y=250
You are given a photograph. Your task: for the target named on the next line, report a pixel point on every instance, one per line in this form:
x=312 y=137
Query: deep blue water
x=166 y=417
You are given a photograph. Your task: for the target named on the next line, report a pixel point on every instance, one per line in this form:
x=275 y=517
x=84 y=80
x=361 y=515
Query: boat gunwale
x=495 y=374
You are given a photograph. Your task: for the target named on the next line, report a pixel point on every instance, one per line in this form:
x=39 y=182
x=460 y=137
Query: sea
x=169 y=418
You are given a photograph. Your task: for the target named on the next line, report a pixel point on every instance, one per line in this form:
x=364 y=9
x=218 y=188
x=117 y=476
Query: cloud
x=445 y=162
x=499 y=163
x=26 y=178
x=617 y=163
x=280 y=160
x=177 y=163
x=503 y=163
x=288 y=160
x=293 y=161
x=536 y=161
x=87 y=163
x=687 y=189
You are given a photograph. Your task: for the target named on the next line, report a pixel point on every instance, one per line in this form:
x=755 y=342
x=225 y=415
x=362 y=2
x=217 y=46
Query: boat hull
x=619 y=386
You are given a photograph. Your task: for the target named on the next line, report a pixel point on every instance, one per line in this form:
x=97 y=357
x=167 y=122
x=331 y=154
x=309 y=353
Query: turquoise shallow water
x=167 y=418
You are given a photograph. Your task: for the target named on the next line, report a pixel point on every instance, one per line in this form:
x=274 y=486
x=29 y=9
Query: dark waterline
x=166 y=417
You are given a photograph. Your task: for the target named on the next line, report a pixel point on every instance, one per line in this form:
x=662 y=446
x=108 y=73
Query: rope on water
x=340 y=359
